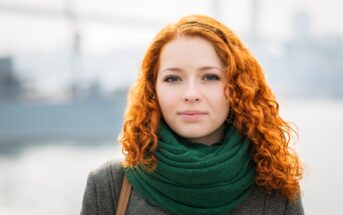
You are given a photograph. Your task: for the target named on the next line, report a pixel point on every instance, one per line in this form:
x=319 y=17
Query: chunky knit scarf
x=194 y=178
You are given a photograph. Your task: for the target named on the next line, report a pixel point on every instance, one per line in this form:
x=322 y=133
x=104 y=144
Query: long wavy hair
x=254 y=107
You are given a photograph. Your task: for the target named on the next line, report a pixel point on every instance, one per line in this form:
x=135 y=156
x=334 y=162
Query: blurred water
x=50 y=178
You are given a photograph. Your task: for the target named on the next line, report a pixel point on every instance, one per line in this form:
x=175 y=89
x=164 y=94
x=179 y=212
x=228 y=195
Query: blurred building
x=313 y=66
x=305 y=66
x=10 y=85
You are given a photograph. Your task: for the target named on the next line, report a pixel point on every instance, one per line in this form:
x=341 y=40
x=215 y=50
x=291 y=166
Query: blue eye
x=211 y=77
x=171 y=78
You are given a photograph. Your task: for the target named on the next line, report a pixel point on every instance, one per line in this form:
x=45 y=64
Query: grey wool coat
x=104 y=184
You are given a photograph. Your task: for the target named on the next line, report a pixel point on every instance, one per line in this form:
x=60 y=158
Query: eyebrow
x=203 y=68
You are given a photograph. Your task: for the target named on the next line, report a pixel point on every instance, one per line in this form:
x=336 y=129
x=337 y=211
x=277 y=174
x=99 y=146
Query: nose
x=192 y=93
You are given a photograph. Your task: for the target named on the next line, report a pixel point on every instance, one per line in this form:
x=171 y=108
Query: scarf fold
x=193 y=178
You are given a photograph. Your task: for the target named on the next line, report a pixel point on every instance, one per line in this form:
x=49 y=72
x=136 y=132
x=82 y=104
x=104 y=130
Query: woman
x=202 y=132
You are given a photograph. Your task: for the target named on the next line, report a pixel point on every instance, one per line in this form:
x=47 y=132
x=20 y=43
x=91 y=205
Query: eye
x=211 y=77
x=171 y=78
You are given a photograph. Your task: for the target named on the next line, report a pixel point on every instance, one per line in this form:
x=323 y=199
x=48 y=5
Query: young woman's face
x=190 y=89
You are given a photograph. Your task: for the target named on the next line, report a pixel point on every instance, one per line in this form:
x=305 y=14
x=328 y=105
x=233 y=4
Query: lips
x=192 y=112
x=192 y=115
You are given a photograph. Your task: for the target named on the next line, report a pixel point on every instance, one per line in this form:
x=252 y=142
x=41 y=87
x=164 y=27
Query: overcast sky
x=33 y=32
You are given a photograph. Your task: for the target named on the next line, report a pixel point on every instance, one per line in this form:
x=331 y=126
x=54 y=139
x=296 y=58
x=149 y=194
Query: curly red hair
x=255 y=109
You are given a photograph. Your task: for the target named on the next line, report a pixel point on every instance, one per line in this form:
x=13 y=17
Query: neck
x=210 y=139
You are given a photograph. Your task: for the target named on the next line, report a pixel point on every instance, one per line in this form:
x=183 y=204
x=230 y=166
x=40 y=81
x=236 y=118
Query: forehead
x=189 y=51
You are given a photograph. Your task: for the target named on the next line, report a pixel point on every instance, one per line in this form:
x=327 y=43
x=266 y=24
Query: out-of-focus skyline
x=56 y=46
x=21 y=32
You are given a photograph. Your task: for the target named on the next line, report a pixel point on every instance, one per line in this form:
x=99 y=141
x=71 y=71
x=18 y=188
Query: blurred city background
x=66 y=65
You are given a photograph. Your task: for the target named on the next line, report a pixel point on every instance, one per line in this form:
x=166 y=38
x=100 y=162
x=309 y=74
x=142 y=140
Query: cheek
x=220 y=103
x=167 y=98
x=218 y=100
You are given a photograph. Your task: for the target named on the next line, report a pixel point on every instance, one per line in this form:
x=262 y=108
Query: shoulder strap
x=124 y=196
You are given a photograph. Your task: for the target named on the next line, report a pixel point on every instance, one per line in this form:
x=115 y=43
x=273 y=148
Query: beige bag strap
x=124 y=196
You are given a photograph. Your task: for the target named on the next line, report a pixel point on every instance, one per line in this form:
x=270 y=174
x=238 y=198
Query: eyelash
x=175 y=77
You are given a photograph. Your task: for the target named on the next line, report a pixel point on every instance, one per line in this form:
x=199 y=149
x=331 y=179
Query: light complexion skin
x=190 y=89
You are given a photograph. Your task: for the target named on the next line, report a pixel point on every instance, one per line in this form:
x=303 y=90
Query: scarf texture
x=194 y=178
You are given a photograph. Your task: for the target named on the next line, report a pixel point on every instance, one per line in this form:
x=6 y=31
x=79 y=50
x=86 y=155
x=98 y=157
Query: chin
x=191 y=133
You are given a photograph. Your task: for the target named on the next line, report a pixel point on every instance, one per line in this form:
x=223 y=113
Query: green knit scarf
x=194 y=178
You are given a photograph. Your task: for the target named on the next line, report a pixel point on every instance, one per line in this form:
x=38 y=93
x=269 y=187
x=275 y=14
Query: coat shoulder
x=108 y=178
x=263 y=202
x=102 y=189
x=275 y=202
